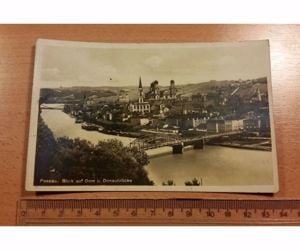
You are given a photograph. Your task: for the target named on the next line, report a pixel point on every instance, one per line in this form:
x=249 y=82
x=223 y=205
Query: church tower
x=140 y=107
x=141 y=93
x=172 y=89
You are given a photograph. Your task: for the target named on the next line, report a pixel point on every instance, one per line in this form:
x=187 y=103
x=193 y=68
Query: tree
x=169 y=183
x=194 y=182
x=46 y=152
x=67 y=158
x=108 y=159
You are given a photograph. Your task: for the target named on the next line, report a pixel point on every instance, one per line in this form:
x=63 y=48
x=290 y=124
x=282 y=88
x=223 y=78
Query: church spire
x=140 y=83
x=141 y=94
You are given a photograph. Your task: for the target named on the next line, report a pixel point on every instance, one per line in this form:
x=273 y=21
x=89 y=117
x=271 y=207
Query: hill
x=242 y=88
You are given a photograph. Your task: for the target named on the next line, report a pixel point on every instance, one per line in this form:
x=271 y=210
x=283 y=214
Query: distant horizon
x=148 y=84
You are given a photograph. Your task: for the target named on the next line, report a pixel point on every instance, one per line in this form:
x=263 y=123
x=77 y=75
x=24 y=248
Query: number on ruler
x=247 y=214
x=265 y=214
x=97 y=213
x=152 y=212
x=210 y=213
x=189 y=213
x=134 y=213
x=283 y=213
x=79 y=212
x=116 y=213
x=227 y=213
x=171 y=213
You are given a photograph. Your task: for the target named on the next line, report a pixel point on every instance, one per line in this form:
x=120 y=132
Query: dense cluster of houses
x=162 y=109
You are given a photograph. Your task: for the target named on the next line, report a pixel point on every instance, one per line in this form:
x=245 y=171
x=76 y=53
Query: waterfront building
x=265 y=122
x=172 y=121
x=237 y=124
x=223 y=126
x=257 y=123
x=253 y=123
x=139 y=121
x=195 y=122
x=212 y=126
x=107 y=116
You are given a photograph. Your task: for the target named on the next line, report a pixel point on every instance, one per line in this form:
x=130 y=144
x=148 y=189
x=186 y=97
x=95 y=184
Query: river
x=62 y=124
x=215 y=165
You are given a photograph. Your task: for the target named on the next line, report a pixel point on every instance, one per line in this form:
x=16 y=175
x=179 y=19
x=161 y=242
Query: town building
x=141 y=106
x=259 y=123
x=166 y=94
x=252 y=124
x=199 y=99
x=173 y=91
x=257 y=97
x=139 y=121
x=90 y=101
x=223 y=126
x=123 y=97
x=195 y=122
x=160 y=108
x=107 y=116
x=154 y=93
x=237 y=124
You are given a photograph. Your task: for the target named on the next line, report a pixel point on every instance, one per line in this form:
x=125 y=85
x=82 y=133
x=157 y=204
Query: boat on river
x=91 y=127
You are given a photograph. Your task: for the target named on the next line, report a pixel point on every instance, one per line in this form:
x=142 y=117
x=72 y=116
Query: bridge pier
x=199 y=144
x=178 y=148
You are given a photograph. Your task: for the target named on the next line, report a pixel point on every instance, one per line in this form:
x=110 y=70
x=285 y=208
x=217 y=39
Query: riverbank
x=67 y=127
x=101 y=129
x=242 y=146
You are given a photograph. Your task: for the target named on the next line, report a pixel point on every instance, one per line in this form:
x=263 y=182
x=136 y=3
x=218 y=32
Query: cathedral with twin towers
x=154 y=96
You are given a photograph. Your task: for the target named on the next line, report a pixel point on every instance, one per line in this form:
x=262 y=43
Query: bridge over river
x=177 y=143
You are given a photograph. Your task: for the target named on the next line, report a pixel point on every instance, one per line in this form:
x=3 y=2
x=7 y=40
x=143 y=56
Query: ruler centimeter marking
x=157 y=212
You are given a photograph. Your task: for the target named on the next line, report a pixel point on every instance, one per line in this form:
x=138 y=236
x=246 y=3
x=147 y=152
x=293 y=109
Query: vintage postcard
x=152 y=117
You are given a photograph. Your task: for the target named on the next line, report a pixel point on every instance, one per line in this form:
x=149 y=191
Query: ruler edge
x=150 y=222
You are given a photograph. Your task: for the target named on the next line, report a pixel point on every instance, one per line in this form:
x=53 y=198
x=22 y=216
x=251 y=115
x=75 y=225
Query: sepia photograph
x=152 y=117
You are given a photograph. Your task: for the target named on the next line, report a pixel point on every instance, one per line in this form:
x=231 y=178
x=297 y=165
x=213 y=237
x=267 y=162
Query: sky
x=66 y=64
